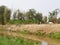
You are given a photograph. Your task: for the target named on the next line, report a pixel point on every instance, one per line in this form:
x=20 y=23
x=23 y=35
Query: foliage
x=44 y=20
x=18 y=15
x=53 y=15
x=16 y=21
x=4 y=14
x=29 y=17
x=23 y=21
x=31 y=14
x=2 y=10
x=39 y=17
x=58 y=20
x=7 y=14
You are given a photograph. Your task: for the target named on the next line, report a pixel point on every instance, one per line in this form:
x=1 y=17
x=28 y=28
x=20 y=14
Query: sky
x=43 y=6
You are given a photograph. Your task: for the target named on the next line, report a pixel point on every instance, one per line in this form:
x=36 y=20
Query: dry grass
x=34 y=27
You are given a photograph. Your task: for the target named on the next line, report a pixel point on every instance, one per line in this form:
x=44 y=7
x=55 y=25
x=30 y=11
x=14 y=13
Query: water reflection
x=44 y=43
x=53 y=44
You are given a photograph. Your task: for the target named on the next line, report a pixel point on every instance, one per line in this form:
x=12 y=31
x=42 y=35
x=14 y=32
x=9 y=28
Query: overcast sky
x=43 y=6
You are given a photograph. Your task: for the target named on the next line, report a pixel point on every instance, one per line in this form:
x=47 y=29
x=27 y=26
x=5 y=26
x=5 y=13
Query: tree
x=58 y=20
x=14 y=15
x=2 y=15
x=18 y=15
x=7 y=14
x=39 y=17
x=44 y=20
x=31 y=14
x=53 y=15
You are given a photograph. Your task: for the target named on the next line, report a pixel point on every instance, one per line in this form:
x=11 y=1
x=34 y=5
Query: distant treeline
x=29 y=17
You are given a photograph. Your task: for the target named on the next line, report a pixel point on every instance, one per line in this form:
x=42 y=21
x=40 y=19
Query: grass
x=55 y=35
x=17 y=41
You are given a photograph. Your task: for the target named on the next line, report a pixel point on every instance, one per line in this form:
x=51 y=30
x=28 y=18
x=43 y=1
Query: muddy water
x=46 y=43
x=50 y=42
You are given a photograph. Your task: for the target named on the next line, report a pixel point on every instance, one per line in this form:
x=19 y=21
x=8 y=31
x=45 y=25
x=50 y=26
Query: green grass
x=4 y=40
x=55 y=35
x=29 y=21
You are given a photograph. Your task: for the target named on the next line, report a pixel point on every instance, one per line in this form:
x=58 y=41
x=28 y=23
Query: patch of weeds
x=37 y=33
x=43 y=34
x=50 y=35
x=26 y=32
x=55 y=35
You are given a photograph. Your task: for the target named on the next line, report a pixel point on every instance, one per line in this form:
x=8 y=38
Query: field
x=29 y=34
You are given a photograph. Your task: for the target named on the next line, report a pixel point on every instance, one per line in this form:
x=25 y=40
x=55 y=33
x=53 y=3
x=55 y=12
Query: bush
x=16 y=21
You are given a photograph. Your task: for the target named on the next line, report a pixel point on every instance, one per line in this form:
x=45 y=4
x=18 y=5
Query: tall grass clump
x=38 y=33
x=26 y=32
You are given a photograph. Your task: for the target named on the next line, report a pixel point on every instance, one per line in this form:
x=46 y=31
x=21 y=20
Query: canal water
x=44 y=43
x=47 y=43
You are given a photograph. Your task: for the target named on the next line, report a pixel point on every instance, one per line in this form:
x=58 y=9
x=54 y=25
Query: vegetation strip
x=55 y=35
x=16 y=41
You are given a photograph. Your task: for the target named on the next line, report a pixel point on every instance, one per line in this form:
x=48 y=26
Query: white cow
x=50 y=22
